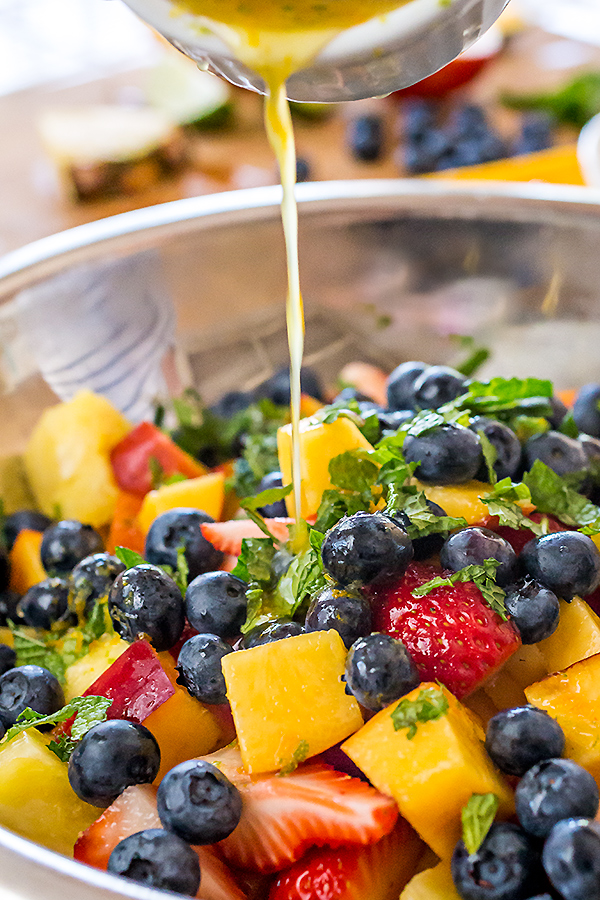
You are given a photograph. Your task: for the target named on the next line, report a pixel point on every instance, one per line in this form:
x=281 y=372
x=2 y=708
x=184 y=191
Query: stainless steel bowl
x=191 y=293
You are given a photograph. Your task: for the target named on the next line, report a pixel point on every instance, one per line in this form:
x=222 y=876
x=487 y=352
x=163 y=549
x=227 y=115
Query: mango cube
x=288 y=700
x=36 y=799
x=431 y=884
x=432 y=774
x=207 y=492
x=26 y=567
x=507 y=686
x=463 y=500
x=572 y=697
x=577 y=636
x=100 y=657
x=319 y=444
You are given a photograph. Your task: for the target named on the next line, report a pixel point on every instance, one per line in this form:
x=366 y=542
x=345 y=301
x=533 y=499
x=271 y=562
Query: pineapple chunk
x=432 y=884
x=319 y=444
x=577 y=636
x=433 y=774
x=288 y=700
x=572 y=697
x=36 y=799
x=207 y=492
x=100 y=657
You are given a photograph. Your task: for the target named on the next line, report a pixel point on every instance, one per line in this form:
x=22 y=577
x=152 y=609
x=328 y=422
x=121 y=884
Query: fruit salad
x=387 y=687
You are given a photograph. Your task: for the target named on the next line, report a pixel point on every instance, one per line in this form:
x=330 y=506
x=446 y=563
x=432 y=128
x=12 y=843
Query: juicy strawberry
x=452 y=634
x=283 y=816
x=135 y=810
x=228 y=536
x=376 y=872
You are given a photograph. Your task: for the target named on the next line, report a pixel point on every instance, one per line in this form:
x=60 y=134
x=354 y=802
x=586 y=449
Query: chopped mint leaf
x=38 y=651
x=477 y=356
x=366 y=422
x=573 y=103
x=353 y=471
x=551 y=494
x=180 y=574
x=88 y=711
x=483 y=576
x=254 y=562
x=298 y=756
x=509 y=490
x=265 y=498
x=526 y=427
x=333 y=507
x=568 y=426
x=129 y=558
x=424 y=522
x=430 y=704
x=500 y=395
x=63 y=747
x=477 y=818
x=490 y=455
x=305 y=577
x=502 y=501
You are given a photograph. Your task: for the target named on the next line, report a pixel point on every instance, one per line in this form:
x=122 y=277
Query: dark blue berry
x=177 y=528
x=571 y=858
x=28 y=686
x=518 y=738
x=400 y=393
x=418 y=117
x=231 y=403
x=199 y=667
x=302 y=170
x=111 y=757
x=505 y=443
x=198 y=803
x=65 y=544
x=366 y=548
x=506 y=866
x=351 y=393
x=144 y=601
x=562 y=454
x=446 y=454
x=8 y=658
x=536 y=134
x=92 y=579
x=9 y=607
x=277 y=630
x=277 y=388
x=45 y=603
x=436 y=386
x=586 y=409
x=423 y=547
x=559 y=411
x=566 y=562
x=422 y=152
x=348 y=614
x=272 y=510
x=22 y=519
x=215 y=602
x=380 y=670
x=472 y=546
x=365 y=137
x=390 y=420
x=534 y=609
x=157 y=859
x=552 y=790
x=469 y=121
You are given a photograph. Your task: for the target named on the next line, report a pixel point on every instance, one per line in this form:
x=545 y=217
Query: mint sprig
x=88 y=711
x=484 y=577
x=502 y=501
x=429 y=705
x=553 y=495
x=477 y=817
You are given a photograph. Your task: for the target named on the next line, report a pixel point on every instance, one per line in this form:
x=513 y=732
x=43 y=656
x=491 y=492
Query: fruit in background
x=124 y=528
x=132 y=457
x=299 y=706
x=366 y=378
x=228 y=536
x=432 y=768
x=207 y=492
x=187 y=96
x=26 y=567
x=68 y=458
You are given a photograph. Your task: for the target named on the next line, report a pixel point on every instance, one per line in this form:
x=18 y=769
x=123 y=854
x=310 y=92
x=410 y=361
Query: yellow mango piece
x=319 y=443
x=577 y=636
x=572 y=697
x=36 y=799
x=431 y=884
x=15 y=489
x=287 y=699
x=207 y=492
x=432 y=775
x=84 y=672
x=507 y=686
x=559 y=165
x=26 y=567
x=68 y=458
x=460 y=499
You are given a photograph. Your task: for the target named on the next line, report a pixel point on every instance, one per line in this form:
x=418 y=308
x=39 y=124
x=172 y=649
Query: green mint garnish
x=298 y=756
x=88 y=711
x=502 y=501
x=552 y=494
x=477 y=818
x=431 y=704
x=484 y=577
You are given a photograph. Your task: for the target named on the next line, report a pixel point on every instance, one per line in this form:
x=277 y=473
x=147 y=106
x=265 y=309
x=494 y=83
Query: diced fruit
x=525 y=666
x=451 y=633
x=26 y=567
x=577 y=636
x=124 y=528
x=68 y=458
x=206 y=493
x=518 y=537
x=460 y=500
x=366 y=378
x=431 y=884
x=319 y=443
x=131 y=459
x=378 y=871
x=282 y=816
x=228 y=536
x=15 y=489
x=432 y=773
x=100 y=657
x=36 y=799
x=287 y=699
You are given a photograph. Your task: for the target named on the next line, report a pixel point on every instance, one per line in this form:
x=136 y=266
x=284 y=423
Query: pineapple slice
x=431 y=884
x=577 y=636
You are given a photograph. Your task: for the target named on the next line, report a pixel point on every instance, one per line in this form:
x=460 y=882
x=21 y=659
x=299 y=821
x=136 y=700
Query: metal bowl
x=191 y=293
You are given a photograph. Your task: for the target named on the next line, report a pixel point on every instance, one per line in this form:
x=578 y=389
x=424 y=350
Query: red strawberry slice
x=452 y=634
x=376 y=872
x=228 y=536
x=283 y=816
x=135 y=810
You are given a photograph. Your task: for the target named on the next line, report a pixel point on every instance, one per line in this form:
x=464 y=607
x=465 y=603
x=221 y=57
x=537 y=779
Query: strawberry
x=228 y=536
x=452 y=634
x=518 y=537
x=283 y=816
x=376 y=872
x=135 y=810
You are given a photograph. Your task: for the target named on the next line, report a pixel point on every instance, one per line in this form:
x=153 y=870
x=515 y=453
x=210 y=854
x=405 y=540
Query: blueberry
x=198 y=803
x=506 y=866
x=446 y=454
x=277 y=388
x=111 y=757
x=562 y=454
x=45 y=603
x=8 y=658
x=92 y=579
x=276 y=630
x=422 y=152
x=536 y=134
x=505 y=443
x=302 y=170
x=571 y=858
x=390 y=420
x=518 y=738
x=215 y=602
x=380 y=670
x=352 y=393
x=366 y=548
x=180 y=527
x=469 y=121
x=427 y=546
x=552 y=790
x=586 y=409
x=471 y=546
x=436 y=386
x=559 y=411
x=158 y=859
x=199 y=667
x=144 y=601
x=22 y=519
x=419 y=117
x=348 y=614
x=65 y=544
x=534 y=610
x=28 y=686
x=272 y=510
x=9 y=607
x=365 y=137
x=231 y=403
x=400 y=393
x=566 y=562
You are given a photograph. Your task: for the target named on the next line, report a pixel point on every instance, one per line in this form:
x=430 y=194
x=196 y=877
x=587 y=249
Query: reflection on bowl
x=588 y=151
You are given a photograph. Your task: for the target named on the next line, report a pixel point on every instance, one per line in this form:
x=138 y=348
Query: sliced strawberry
x=133 y=811
x=283 y=816
x=228 y=536
x=376 y=872
x=452 y=634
